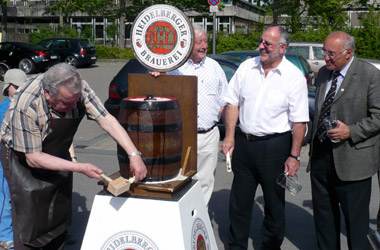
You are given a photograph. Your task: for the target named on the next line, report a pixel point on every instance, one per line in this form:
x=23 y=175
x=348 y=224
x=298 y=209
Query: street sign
x=213 y=2
x=213 y=8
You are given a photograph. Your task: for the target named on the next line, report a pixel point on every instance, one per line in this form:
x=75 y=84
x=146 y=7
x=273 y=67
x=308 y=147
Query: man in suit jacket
x=341 y=172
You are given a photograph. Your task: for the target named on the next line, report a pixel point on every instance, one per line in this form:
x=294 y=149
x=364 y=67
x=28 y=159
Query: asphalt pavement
x=93 y=145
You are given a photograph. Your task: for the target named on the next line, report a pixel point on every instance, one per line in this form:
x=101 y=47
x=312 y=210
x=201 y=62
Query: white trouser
x=208 y=148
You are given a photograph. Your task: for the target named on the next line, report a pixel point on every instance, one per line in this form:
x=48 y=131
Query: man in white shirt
x=269 y=96
x=211 y=83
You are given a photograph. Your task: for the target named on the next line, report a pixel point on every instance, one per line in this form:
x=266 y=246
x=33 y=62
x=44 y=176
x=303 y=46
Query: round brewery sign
x=162 y=38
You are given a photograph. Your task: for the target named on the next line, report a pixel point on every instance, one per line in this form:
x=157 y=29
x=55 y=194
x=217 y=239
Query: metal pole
x=214 y=33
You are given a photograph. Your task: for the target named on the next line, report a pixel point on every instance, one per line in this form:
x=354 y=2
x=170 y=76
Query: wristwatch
x=134 y=154
x=298 y=158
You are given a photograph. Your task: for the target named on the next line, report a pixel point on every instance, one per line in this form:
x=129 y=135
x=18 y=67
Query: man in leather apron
x=37 y=132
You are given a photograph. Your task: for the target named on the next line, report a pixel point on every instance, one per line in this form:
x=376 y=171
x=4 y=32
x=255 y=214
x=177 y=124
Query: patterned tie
x=325 y=111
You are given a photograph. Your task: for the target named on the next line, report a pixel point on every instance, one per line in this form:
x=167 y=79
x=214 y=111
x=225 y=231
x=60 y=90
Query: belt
x=204 y=131
x=250 y=137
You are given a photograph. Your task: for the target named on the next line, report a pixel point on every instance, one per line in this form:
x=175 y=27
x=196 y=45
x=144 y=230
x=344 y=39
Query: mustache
x=262 y=51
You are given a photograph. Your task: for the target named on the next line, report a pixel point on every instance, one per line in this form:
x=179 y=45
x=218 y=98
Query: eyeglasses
x=332 y=54
x=266 y=43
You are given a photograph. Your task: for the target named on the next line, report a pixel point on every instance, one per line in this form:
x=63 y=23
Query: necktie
x=325 y=111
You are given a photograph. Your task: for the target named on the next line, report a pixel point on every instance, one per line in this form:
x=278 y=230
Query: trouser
x=254 y=163
x=6 y=232
x=207 y=159
x=330 y=194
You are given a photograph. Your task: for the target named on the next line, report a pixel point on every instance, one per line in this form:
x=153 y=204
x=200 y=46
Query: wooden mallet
x=119 y=185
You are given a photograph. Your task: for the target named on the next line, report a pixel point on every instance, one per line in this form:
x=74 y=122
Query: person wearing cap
x=13 y=79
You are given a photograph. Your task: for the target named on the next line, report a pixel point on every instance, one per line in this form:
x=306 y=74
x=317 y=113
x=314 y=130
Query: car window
x=228 y=71
x=295 y=60
x=46 y=43
x=59 y=44
x=305 y=65
x=300 y=50
x=6 y=46
x=85 y=43
x=318 y=53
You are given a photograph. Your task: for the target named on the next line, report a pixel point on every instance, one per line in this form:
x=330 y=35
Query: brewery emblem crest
x=162 y=38
x=199 y=236
x=129 y=240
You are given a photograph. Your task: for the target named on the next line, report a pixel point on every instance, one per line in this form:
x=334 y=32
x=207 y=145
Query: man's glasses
x=266 y=43
x=332 y=54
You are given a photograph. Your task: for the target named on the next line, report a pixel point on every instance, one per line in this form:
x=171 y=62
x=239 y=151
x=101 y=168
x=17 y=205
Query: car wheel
x=3 y=69
x=307 y=138
x=72 y=60
x=26 y=65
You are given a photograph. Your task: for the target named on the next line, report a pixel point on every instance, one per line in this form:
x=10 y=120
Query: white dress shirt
x=270 y=104
x=211 y=84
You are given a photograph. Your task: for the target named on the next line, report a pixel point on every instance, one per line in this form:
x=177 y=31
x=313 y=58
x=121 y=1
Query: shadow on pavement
x=80 y=217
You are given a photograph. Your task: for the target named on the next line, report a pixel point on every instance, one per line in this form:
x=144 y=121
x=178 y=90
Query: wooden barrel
x=155 y=127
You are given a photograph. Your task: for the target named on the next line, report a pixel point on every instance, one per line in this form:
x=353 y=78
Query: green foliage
x=44 y=33
x=237 y=41
x=105 y=52
x=367 y=36
x=87 y=33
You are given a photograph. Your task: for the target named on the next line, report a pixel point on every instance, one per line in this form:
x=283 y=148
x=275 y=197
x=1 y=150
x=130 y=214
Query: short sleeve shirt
x=26 y=123
x=268 y=104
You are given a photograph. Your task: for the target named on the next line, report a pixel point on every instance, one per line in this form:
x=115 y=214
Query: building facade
x=25 y=17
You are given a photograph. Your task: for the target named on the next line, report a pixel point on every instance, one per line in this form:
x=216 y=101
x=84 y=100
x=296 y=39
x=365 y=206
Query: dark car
x=74 y=51
x=27 y=57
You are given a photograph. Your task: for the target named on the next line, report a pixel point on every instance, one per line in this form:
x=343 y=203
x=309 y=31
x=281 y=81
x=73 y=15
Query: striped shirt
x=26 y=124
x=211 y=84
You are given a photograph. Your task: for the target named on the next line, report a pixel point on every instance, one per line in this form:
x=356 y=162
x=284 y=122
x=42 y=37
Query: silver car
x=312 y=51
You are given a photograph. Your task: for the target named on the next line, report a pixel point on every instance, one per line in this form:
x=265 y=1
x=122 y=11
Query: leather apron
x=41 y=198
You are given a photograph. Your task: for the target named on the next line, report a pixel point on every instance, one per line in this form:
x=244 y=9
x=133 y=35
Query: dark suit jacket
x=357 y=104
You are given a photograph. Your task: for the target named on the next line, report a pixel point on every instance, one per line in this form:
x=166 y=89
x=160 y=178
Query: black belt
x=204 y=131
x=250 y=137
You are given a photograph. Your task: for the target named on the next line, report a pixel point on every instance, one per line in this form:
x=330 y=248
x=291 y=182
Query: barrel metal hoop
x=149 y=128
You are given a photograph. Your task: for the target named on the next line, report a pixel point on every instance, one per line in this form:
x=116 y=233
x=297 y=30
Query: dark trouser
x=253 y=163
x=329 y=194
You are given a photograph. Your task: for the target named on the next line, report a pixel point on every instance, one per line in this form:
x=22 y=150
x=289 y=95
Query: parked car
x=74 y=51
x=27 y=57
x=311 y=51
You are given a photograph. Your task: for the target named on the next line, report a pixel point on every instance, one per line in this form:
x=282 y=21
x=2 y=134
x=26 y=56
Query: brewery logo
x=199 y=236
x=129 y=240
x=162 y=38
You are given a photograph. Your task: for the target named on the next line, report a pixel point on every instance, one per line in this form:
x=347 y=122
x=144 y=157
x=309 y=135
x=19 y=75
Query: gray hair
x=347 y=40
x=62 y=74
x=284 y=35
x=198 y=30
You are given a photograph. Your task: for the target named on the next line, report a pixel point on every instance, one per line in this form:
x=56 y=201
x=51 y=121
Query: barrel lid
x=150 y=98
x=149 y=103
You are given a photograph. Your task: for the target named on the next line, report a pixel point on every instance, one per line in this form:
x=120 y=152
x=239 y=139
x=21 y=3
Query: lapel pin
x=342 y=90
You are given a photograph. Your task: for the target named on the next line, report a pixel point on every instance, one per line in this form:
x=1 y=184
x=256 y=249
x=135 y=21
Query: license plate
x=53 y=57
x=93 y=57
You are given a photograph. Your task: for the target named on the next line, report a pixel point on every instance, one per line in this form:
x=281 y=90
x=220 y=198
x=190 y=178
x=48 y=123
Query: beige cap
x=15 y=77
